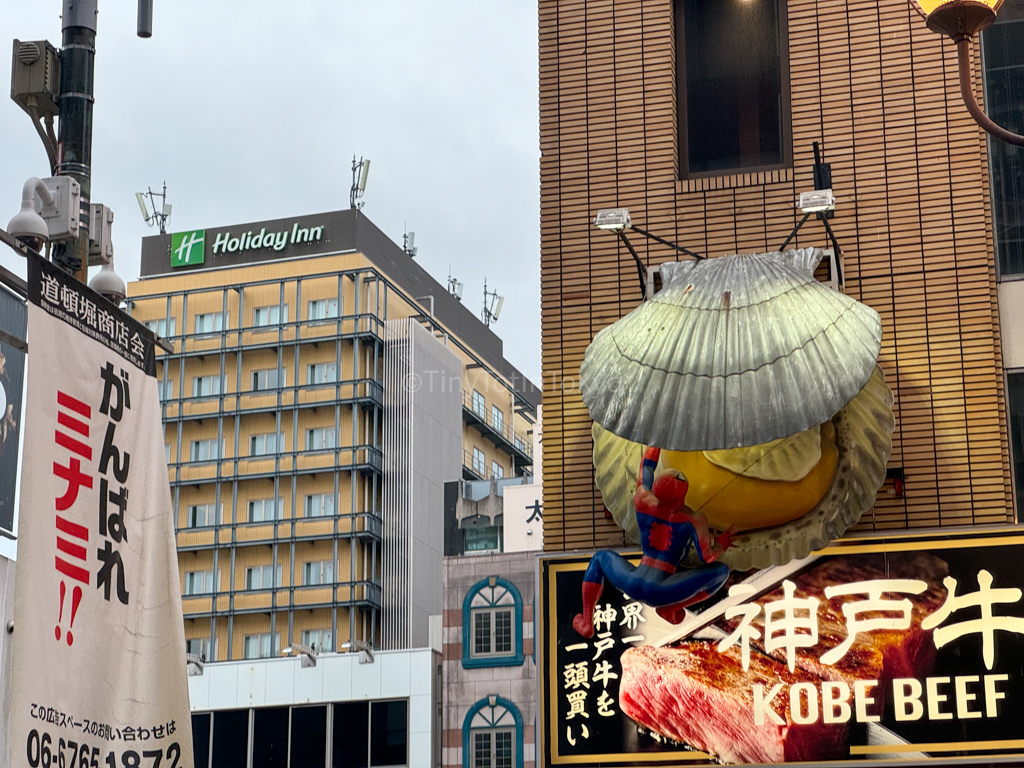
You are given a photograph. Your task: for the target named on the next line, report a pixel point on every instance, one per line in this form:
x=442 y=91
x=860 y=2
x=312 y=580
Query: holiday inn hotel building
x=321 y=389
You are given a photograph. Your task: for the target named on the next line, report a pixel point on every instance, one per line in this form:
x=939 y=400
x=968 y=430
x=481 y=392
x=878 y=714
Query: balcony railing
x=500 y=433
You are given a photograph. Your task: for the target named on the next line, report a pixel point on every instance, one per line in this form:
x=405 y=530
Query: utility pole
x=74 y=139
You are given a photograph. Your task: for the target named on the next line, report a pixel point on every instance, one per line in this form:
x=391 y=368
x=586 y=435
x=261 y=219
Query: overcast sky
x=252 y=110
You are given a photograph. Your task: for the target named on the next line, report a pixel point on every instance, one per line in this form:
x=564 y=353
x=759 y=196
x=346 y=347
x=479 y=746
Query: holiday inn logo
x=188 y=248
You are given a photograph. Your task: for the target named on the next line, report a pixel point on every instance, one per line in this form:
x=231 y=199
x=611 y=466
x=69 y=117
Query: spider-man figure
x=667 y=530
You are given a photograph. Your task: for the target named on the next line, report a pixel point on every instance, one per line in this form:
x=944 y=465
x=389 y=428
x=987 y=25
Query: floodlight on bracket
x=306 y=654
x=194 y=663
x=617 y=220
x=365 y=650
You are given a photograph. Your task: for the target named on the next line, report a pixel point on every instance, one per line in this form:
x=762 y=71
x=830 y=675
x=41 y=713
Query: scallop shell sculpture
x=733 y=351
x=864 y=428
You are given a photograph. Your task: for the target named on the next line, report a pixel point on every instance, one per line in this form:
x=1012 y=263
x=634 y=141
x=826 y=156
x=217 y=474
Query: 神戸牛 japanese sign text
x=878 y=650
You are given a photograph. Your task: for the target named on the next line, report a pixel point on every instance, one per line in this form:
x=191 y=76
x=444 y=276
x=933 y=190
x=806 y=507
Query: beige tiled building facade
x=321 y=389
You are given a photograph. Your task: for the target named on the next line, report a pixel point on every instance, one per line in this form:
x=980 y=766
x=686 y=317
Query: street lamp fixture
x=306 y=654
x=364 y=648
x=961 y=20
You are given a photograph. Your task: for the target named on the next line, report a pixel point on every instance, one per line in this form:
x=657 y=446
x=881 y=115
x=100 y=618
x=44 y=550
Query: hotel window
x=165 y=390
x=319 y=438
x=320 y=640
x=733 y=86
x=322 y=309
x=262 y=577
x=205 y=450
x=206 y=386
x=318 y=572
x=265 y=510
x=479 y=462
x=163 y=327
x=211 y=322
x=269 y=378
x=273 y=315
x=479 y=408
x=492 y=735
x=497 y=470
x=201 y=647
x=492 y=624
x=198 y=582
x=321 y=373
x=267 y=444
x=1003 y=52
x=202 y=515
x=261 y=646
x=1015 y=416
x=497 y=419
x=319 y=505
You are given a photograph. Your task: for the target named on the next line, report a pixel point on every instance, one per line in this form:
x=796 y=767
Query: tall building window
x=273 y=315
x=1003 y=51
x=163 y=327
x=479 y=462
x=322 y=309
x=262 y=577
x=1015 y=416
x=201 y=647
x=733 y=86
x=202 y=515
x=267 y=444
x=479 y=407
x=319 y=505
x=492 y=735
x=206 y=386
x=492 y=624
x=320 y=640
x=210 y=322
x=318 y=572
x=165 y=390
x=261 y=646
x=265 y=510
x=321 y=373
x=269 y=378
x=497 y=419
x=374 y=734
x=198 y=582
x=497 y=471
x=319 y=438
x=206 y=450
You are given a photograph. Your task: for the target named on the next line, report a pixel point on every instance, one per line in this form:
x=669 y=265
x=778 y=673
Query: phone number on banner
x=43 y=753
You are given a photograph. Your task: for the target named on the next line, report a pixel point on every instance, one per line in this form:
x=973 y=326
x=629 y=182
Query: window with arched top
x=492 y=624
x=492 y=735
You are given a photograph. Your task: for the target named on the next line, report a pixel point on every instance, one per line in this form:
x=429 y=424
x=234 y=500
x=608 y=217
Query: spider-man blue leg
x=646 y=584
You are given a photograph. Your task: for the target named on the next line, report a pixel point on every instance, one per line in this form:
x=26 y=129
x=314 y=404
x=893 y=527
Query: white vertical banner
x=99 y=647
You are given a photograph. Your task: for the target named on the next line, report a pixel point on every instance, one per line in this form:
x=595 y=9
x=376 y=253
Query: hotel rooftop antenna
x=492 y=306
x=408 y=240
x=454 y=286
x=360 y=170
x=151 y=214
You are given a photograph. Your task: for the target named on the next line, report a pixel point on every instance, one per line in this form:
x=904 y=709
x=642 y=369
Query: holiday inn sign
x=189 y=248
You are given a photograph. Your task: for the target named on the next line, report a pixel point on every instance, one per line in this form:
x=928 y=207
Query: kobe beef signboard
x=874 y=650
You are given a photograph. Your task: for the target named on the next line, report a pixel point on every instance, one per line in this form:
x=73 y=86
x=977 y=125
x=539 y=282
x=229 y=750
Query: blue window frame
x=492 y=625
x=492 y=735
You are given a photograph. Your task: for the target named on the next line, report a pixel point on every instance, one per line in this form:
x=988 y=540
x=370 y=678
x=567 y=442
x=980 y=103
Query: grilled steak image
x=696 y=695
x=882 y=655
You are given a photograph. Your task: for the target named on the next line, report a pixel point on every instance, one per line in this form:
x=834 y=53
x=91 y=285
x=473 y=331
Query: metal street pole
x=74 y=139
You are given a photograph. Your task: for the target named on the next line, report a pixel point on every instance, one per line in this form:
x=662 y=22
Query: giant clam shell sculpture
x=740 y=351
x=733 y=351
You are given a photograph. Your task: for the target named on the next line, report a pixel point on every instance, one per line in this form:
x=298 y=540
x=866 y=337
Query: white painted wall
x=518 y=534
x=336 y=677
x=1011 y=322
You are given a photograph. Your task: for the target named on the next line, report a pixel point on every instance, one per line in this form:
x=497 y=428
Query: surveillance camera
x=108 y=284
x=28 y=226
